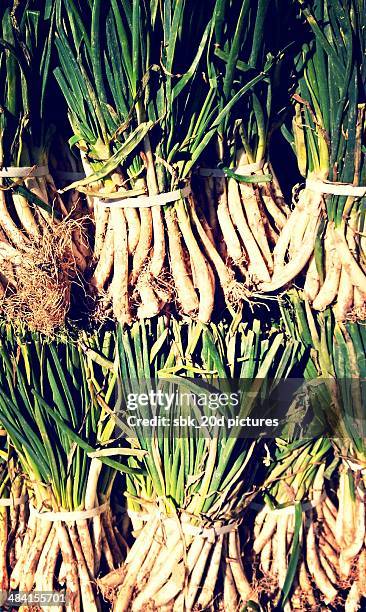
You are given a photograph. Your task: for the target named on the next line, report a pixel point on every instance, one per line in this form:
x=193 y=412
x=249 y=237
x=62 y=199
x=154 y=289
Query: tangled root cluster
x=41 y=296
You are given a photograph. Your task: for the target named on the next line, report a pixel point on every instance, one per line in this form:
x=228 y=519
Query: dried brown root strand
x=358 y=313
x=144 y=244
x=47 y=185
x=328 y=291
x=74 y=210
x=257 y=264
x=42 y=296
x=187 y=295
x=312 y=281
x=7 y=274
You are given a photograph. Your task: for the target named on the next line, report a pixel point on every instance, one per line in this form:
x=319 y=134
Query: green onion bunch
x=33 y=233
x=323 y=236
x=143 y=108
x=245 y=206
x=336 y=370
x=53 y=406
x=197 y=482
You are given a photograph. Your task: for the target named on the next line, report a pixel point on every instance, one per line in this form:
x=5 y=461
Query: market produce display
x=182 y=305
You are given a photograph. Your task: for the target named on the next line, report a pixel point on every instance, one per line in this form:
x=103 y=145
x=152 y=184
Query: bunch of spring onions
x=324 y=234
x=39 y=254
x=245 y=207
x=53 y=407
x=290 y=537
x=337 y=364
x=187 y=508
x=142 y=112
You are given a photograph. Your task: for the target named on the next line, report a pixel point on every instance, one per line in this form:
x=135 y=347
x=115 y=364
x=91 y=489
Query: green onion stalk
x=324 y=234
x=337 y=361
x=54 y=407
x=142 y=114
x=34 y=234
x=246 y=208
x=13 y=508
x=198 y=483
